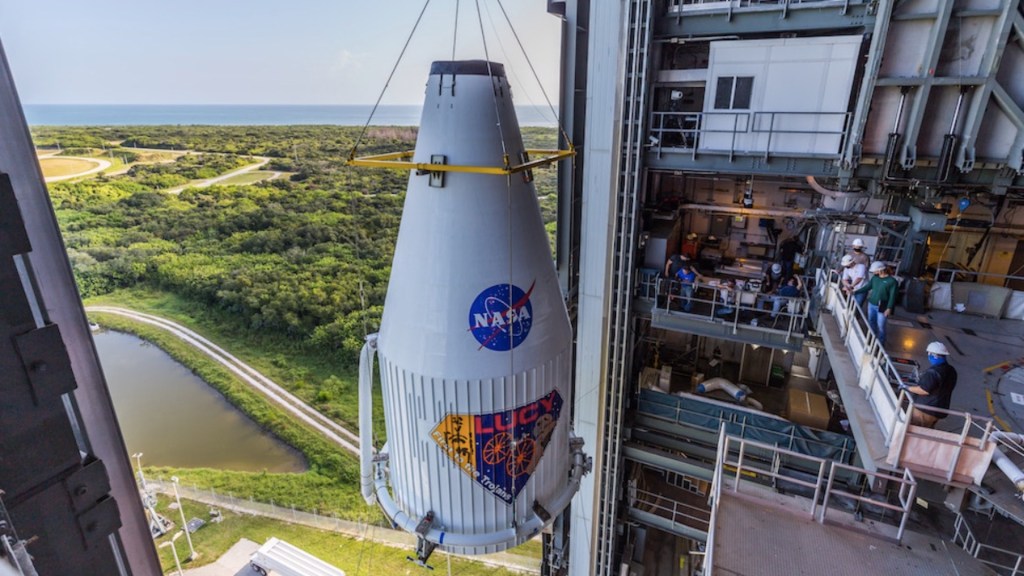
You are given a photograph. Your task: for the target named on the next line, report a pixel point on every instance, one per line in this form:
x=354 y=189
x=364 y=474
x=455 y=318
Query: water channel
x=175 y=419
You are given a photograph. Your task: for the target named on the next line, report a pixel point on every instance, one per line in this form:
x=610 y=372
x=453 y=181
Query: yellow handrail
x=400 y=161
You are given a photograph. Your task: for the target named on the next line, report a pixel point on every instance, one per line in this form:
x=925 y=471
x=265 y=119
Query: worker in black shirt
x=674 y=263
x=787 y=254
x=934 y=388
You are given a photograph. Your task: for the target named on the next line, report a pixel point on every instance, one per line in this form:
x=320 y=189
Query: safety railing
x=786 y=123
x=674 y=511
x=880 y=379
x=684 y=129
x=1001 y=561
x=687 y=130
x=674 y=6
x=823 y=486
x=756 y=310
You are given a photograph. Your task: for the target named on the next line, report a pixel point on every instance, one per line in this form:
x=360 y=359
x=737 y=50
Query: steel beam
x=767 y=18
x=930 y=58
x=981 y=96
x=46 y=274
x=1015 y=155
x=867 y=88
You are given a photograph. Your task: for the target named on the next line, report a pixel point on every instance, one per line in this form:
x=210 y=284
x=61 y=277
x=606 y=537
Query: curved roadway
x=100 y=165
x=261 y=161
x=270 y=389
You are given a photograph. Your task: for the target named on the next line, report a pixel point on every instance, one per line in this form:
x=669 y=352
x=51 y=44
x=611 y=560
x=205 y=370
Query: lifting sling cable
x=404 y=160
x=455 y=33
x=387 y=83
x=535 y=75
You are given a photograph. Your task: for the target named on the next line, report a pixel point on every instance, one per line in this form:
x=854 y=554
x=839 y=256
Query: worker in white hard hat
x=934 y=388
x=772 y=280
x=854 y=277
x=881 y=289
x=858 y=253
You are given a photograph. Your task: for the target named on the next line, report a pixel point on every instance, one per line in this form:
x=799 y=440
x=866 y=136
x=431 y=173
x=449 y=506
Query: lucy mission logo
x=500 y=450
x=501 y=316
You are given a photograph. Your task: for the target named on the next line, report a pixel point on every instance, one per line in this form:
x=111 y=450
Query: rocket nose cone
x=468 y=67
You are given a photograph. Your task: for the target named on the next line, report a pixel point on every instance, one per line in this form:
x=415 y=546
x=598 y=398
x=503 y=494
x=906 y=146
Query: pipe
x=712 y=384
x=520 y=532
x=894 y=137
x=744 y=211
x=1012 y=436
x=1012 y=471
x=833 y=194
x=950 y=140
x=366 y=417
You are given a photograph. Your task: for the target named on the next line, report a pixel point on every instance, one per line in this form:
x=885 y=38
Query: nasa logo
x=501 y=316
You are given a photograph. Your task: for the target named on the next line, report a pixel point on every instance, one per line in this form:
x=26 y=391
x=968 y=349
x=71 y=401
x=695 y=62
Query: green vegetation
x=356 y=557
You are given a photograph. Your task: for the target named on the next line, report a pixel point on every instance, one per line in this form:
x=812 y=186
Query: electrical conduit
x=366 y=357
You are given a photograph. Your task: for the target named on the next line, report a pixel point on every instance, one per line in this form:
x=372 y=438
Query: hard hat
x=847 y=260
x=937 y=349
x=691 y=236
x=877 y=266
x=858 y=243
x=776 y=268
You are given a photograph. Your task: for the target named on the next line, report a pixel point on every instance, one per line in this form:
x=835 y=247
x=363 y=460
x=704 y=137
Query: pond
x=175 y=419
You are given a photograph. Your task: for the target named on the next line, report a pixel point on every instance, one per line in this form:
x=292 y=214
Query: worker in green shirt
x=882 y=298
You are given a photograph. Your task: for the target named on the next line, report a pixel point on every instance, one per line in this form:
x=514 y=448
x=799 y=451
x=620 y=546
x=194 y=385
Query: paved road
x=100 y=165
x=234 y=562
x=270 y=389
x=262 y=161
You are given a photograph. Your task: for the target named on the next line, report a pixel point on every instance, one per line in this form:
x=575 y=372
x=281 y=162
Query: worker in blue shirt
x=785 y=293
x=934 y=388
x=881 y=299
x=688 y=278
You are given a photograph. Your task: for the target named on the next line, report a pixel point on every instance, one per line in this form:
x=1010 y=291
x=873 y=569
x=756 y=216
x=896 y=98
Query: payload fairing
x=475 y=343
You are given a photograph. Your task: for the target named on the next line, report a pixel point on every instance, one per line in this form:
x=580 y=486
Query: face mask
x=935 y=360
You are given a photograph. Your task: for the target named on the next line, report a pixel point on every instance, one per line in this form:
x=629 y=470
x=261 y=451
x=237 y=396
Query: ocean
x=242 y=115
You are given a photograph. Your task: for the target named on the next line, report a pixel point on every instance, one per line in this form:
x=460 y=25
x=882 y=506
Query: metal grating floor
x=754 y=538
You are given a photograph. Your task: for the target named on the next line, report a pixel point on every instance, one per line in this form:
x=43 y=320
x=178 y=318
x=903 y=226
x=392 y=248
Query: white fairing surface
x=474 y=344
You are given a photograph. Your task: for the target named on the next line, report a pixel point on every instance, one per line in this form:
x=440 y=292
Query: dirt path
x=100 y=165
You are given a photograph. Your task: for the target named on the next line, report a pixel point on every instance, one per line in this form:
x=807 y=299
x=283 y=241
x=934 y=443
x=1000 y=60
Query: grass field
x=57 y=166
x=247 y=178
x=356 y=557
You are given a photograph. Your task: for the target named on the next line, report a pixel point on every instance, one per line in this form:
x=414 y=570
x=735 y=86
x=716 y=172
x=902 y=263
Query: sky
x=264 y=51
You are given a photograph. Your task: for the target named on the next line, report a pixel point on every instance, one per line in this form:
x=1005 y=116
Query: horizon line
x=217 y=104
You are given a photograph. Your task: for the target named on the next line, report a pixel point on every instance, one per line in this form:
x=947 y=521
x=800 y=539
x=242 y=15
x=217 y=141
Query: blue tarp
x=692 y=411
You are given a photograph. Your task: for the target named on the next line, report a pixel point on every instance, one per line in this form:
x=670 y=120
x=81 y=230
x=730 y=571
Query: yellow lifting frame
x=400 y=161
